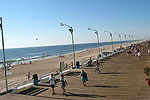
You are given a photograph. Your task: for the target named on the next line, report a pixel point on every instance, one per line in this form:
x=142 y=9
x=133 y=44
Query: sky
x=26 y=20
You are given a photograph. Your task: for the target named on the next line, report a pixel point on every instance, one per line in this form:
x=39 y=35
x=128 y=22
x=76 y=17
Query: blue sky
x=26 y=20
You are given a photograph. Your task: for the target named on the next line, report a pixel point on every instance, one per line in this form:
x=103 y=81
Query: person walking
x=97 y=69
x=135 y=52
x=52 y=82
x=63 y=83
x=84 y=77
x=139 y=54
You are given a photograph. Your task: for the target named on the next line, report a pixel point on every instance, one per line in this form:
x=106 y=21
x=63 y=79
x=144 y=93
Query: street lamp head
x=89 y=28
x=61 y=24
x=96 y=32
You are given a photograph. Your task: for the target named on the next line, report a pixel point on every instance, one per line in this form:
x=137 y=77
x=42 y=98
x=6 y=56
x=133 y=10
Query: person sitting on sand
x=84 y=77
x=63 y=83
x=28 y=75
x=52 y=82
x=30 y=62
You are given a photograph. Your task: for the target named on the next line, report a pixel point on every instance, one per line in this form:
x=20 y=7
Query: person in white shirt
x=148 y=51
x=28 y=75
x=139 y=54
x=52 y=82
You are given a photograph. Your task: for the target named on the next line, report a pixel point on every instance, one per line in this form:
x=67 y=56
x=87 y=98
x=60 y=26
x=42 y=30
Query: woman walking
x=84 y=77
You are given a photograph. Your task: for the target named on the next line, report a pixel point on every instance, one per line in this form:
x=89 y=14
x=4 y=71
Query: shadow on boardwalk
x=33 y=91
x=104 y=86
x=57 y=98
x=73 y=74
x=112 y=73
x=83 y=95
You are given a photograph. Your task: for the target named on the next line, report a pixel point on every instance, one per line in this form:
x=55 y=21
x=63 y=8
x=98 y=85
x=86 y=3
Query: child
x=63 y=83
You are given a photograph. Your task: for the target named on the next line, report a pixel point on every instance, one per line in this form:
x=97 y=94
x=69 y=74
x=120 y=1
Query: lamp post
x=4 y=63
x=125 y=36
x=120 y=39
x=98 y=44
x=111 y=40
x=136 y=38
x=71 y=31
x=130 y=39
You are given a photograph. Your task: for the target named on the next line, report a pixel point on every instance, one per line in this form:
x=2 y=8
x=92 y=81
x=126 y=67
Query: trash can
x=77 y=64
x=35 y=79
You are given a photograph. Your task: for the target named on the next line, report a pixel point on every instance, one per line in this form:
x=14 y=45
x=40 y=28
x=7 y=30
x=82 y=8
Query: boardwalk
x=122 y=78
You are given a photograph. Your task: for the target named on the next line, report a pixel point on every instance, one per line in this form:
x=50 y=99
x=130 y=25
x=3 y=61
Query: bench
x=45 y=77
x=106 y=53
x=65 y=72
x=19 y=89
x=85 y=63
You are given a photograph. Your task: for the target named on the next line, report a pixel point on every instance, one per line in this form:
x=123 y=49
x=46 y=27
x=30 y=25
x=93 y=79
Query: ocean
x=48 y=51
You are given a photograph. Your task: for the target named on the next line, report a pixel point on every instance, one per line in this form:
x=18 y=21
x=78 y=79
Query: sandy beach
x=122 y=78
x=51 y=64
